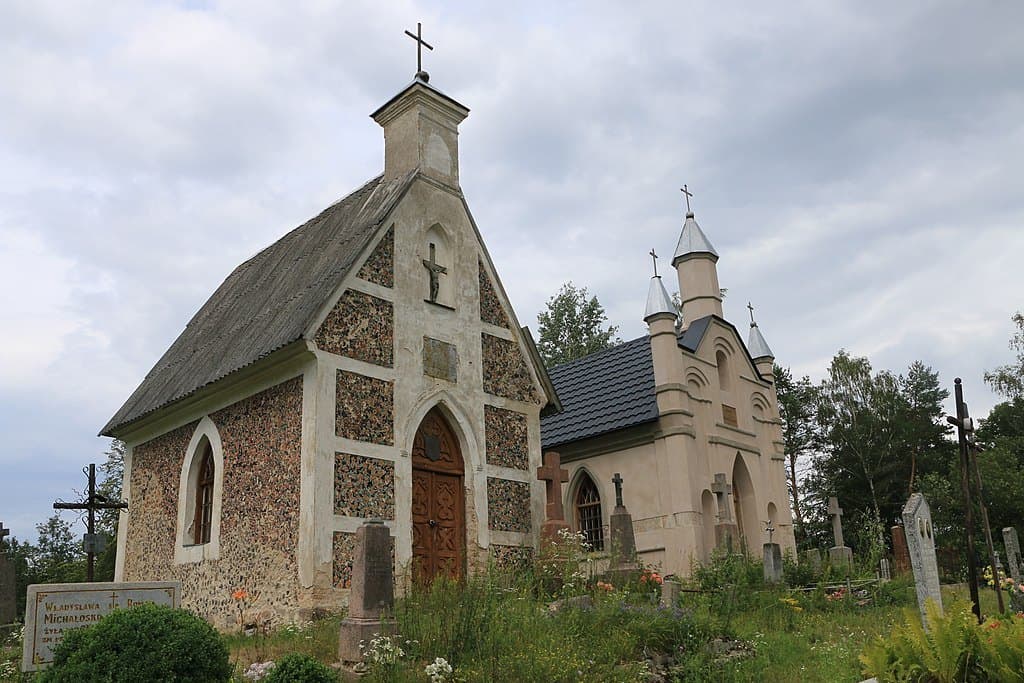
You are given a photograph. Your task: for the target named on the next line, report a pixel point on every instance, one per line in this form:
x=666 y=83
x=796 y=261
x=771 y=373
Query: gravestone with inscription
x=372 y=592
x=839 y=555
x=900 y=554
x=917 y=523
x=772 y=554
x=52 y=609
x=623 y=550
x=8 y=604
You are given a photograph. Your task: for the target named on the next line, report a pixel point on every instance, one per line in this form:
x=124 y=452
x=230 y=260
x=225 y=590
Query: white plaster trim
x=511 y=404
x=349 y=525
x=372 y=289
x=122 y=519
x=502 y=472
x=362 y=448
x=335 y=363
x=513 y=538
x=496 y=331
x=306 y=551
x=183 y=553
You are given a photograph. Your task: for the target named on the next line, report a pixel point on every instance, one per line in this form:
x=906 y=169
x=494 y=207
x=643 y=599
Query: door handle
x=432 y=523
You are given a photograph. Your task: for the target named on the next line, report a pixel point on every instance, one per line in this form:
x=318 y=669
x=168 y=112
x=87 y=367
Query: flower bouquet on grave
x=1016 y=593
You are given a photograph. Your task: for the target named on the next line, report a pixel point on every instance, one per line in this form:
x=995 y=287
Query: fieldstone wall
x=491 y=310
x=508 y=505
x=506 y=435
x=259 y=528
x=364 y=487
x=361 y=327
x=380 y=267
x=505 y=371
x=511 y=556
x=343 y=550
x=364 y=409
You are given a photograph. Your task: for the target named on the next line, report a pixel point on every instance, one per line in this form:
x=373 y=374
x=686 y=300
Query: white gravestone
x=51 y=609
x=917 y=522
x=1013 y=558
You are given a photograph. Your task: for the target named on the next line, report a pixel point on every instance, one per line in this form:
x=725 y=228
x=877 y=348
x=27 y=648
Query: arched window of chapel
x=589 y=519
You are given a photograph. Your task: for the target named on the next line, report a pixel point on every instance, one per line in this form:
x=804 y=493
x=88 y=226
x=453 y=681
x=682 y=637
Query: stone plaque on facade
x=440 y=359
x=51 y=609
x=917 y=523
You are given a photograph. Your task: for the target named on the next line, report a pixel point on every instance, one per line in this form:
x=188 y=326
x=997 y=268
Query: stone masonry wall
x=505 y=371
x=364 y=487
x=490 y=306
x=380 y=268
x=506 y=435
x=364 y=409
x=261 y=437
x=360 y=326
x=508 y=505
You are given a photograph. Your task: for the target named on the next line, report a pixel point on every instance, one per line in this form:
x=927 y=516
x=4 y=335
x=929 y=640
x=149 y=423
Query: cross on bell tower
x=684 y=189
x=420 y=44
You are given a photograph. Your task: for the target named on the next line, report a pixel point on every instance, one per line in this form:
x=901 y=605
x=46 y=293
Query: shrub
x=298 y=668
x=142 y=644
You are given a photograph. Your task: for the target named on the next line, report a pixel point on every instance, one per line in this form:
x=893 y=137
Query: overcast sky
x=858 y=166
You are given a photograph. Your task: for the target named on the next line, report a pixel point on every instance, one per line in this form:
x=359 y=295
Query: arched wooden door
x=438 y=506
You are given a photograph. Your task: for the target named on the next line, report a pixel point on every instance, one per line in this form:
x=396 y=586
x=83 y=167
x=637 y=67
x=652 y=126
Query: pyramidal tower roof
x=692 y=241
x=658 y=300
x=756 y=344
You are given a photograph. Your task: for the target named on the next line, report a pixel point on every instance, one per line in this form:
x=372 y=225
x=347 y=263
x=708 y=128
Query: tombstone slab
x=772 y=563
x=812 y=558
x=53 y=609
x=900 y=554
x=839 y=555
x=623 y=540
x=917 y=523
x=372 y=591
x=1013 y=556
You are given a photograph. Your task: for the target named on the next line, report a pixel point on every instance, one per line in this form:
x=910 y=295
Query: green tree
x=58 y=556
x=106 y=520
x=1008 y=380
x=573 y=326
x=797 y=399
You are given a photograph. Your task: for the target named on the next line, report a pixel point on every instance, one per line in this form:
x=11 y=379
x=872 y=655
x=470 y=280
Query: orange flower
x=240 y=594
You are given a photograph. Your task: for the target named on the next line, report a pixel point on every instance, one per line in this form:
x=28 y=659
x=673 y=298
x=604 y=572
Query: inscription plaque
x=440 y=359
x=52 y=609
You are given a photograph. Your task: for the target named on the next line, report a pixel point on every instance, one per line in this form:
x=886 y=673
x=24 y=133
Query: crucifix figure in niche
x=435 y=271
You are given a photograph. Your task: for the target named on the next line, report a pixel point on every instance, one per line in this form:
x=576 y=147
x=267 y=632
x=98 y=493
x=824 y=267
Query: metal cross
x=655 y=258
x=770 y=529
x=420 y=44
x=751 y=307
x=617 y=480
x=4 y=532
x=688 y=194
x=435 y=271
x=91 y=504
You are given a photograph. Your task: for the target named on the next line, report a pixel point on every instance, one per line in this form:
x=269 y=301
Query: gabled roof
x=603 y=392
x=267 y=302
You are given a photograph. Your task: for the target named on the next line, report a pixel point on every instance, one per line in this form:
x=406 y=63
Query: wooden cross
x=91 y=504
x=617 y=480
x=688 y=194
x=654 y=257
x=552 y=473
x=420 y=44
x=435 y=270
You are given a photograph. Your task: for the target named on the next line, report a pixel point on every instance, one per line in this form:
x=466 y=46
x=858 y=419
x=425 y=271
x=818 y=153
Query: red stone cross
x=555 y=476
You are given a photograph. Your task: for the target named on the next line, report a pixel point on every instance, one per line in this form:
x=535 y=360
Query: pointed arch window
x=203 y=522
x=589 y=520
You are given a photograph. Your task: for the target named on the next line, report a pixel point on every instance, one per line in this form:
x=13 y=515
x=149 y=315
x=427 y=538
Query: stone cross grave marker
x=8 y=594
x=726 y=531
x=372 y=592
x=623 y=549
x=554 y=476
x=917 y=521
x=52 y=609
x=1013 y=557
x=839 y=554
x=772 y=557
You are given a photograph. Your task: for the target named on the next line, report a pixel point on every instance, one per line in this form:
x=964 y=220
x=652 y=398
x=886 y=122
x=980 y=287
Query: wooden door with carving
x=438 y=506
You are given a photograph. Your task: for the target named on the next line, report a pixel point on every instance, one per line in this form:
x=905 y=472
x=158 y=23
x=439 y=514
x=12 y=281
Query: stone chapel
x=689 y=418
x=366 y=365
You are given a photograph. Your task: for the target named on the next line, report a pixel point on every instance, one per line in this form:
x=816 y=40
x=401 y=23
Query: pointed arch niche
x=746 y=505
x=200 y=493
x=437 y=249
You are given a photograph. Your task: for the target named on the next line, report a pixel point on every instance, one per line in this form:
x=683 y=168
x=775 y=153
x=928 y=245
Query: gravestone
x=670 y=589
x=53 y=609
x=1013 y=557
x=900 y=554
x=552 y=474
x=372 y=592
x=839 y=555
x=917 y=522
x=772 y=557
x=623 y=548
x=884 y=573
x=812 y=558
x=8 y=594
x=727 y=533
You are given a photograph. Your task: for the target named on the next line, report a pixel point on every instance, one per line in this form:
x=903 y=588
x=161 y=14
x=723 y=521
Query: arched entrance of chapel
x=438 y=500
x=746 y=507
